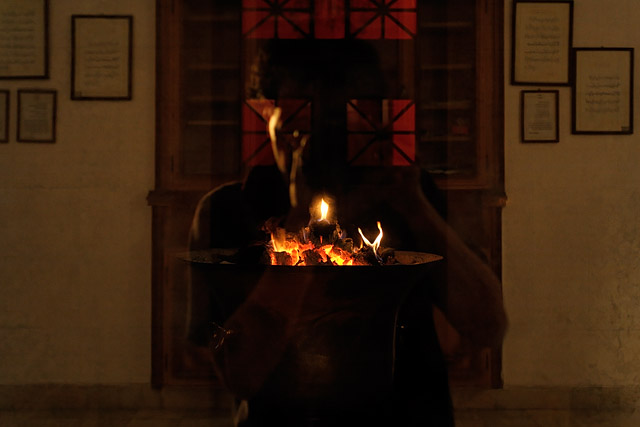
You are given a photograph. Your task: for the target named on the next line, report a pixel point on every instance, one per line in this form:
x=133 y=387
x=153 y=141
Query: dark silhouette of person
x=254 y=343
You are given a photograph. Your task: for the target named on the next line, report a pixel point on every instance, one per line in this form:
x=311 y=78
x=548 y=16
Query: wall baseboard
x=143 y=396
x=549 y=398
x=116 y=397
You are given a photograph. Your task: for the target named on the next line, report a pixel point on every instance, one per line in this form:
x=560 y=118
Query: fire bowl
x=342 y=351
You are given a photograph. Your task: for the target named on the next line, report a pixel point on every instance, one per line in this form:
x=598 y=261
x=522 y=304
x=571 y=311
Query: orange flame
x=290 y=246
x=328 y=254
x=324 y=210
x=376 y=243
x=299 y=250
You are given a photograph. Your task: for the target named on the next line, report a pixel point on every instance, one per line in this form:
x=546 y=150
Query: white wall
x=571 y=233
x=75 y=229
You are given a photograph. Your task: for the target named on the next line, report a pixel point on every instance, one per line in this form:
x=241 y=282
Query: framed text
x=101 y=55
x=24 y=39
x=539 y=116
x=602 y=100
x=542 y=36
x=36 y=115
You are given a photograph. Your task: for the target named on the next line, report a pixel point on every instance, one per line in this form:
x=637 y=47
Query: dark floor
x=141 y=405
x=199 y=418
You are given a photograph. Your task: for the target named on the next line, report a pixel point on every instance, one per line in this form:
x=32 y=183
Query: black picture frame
x=539 y=116
x=101 y=57
x=4 y=115
x=36 y=115
x=541 y=41
x=602 y=95
x=25 y=55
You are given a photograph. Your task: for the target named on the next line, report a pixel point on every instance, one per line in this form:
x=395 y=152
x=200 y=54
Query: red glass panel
x=256 y=150
x=258 y=24
x=400 y=25
x=256 y=145
x=381 y=133
x=296 y=115
x=292 y=19
x=404 y=153
x=286 y=19
x=357 y=4
x=329 y=19
x=293 y=25
x=296 y=4
x=254 y=114
x=363 y=115
x=370 y=20
x=404 y=4
x=403 y=114
x=366 y=150
x=365 y=25
x=248 y=4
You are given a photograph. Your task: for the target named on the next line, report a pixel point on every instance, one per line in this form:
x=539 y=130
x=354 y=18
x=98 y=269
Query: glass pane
x=210 y=89
x=446 y=88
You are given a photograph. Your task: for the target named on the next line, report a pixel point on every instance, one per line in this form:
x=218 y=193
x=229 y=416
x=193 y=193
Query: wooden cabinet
x=447 y=86
x=459 y=73
x=442 y=57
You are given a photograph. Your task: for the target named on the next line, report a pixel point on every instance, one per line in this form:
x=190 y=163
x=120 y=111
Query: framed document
x=4 y=116
x=539 y=116
x=542 y=36
x=602 y=91
x=36 y=115
x=101 y=55
x=24 y=39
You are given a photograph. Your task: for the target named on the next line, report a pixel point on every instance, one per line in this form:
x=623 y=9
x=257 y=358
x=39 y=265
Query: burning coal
x=323 y=242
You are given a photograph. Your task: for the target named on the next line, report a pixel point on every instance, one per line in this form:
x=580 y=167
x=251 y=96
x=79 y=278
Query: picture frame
x=4 y=115
x=539 y=116
x=36 y=115
x=542 y=37
x=602 y=95
x=101 y=57
x=24 y=53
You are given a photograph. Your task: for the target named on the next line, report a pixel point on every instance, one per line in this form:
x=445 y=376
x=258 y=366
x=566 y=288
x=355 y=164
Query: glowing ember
x=323 y=243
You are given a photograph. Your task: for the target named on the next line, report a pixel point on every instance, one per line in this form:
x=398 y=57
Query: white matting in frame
x=541 y=42
x=36 y=115
x=539 y=114
x=101 y=55
x=24 y=39
x=602 y=91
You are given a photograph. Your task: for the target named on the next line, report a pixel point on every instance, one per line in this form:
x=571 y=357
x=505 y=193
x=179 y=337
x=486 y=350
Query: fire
x=322 y=243
x=324 y=210
x=376 y=243
x=293 y=248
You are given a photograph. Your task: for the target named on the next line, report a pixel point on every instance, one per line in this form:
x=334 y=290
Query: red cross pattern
x=282 y=19
x=383 y=19
x=256 y=145
x=381 y=132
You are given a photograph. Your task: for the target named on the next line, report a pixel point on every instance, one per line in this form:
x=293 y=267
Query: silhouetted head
x=328 y=73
